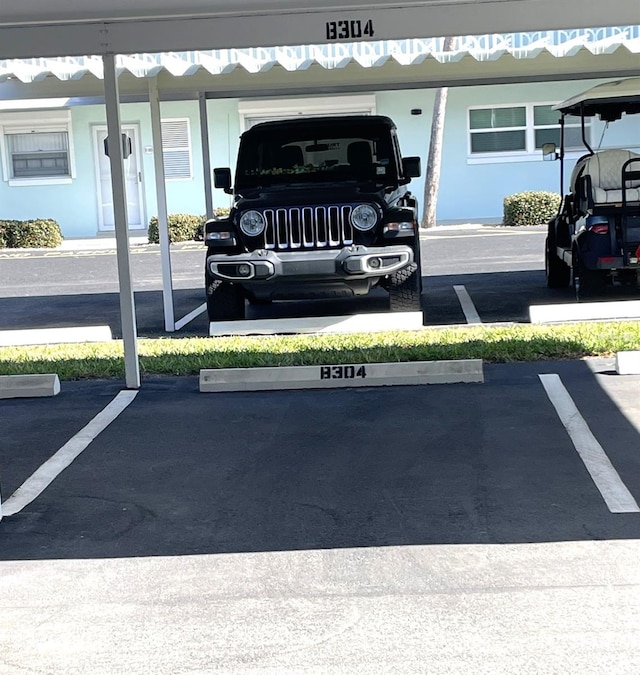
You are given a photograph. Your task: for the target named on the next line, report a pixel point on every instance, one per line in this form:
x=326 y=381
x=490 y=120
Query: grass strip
x=186 y=356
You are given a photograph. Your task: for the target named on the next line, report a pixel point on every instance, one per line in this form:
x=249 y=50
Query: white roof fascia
x=216 y=62
x=332 y=56
x=629 y=87
x=604 y=46
x=293 y=58
x=409 y=52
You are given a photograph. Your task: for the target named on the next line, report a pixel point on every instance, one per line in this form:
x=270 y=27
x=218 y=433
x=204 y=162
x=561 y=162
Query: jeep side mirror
x=411 y=167
x=549 y=152
x=222 y=179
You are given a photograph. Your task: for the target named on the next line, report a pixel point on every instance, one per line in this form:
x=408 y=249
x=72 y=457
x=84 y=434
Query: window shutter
x=176 y=149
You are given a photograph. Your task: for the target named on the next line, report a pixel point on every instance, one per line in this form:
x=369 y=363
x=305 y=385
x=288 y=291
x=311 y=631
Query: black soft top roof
x=332 y=121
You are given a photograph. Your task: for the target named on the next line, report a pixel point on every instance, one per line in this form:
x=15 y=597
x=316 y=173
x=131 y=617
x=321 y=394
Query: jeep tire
x=405 y=285
x=225 y=301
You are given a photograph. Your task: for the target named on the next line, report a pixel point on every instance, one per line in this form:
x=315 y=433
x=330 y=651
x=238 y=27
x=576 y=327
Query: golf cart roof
x=608 y=100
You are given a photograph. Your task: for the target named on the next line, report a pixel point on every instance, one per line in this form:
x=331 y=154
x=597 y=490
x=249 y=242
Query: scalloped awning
x=410 y=52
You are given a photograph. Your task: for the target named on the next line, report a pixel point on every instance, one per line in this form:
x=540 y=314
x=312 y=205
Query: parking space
x=499 y=272
x=331 y=531
x=180 y=472
x=34 y=429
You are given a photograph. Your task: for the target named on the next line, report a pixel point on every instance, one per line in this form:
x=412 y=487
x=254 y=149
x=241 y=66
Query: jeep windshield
x=281 y=154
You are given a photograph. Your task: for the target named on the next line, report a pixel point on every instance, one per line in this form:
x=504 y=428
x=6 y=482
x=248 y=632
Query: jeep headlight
x=364 y=217
x=252 y=223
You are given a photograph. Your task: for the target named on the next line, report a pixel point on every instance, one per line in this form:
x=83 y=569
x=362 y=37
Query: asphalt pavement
x=425 y=529
x=501 y=268
x=440 y=529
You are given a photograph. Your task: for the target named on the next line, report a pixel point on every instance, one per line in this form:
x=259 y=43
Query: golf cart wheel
x=557 y=271
x=586 y=283
x=225 y=301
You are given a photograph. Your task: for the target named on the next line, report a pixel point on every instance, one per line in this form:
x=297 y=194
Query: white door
x=133 y=180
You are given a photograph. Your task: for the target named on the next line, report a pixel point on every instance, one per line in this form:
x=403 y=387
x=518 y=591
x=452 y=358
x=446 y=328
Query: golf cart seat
x=597 y=178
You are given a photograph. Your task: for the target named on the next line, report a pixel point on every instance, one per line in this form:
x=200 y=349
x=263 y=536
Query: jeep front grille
x=300 y=227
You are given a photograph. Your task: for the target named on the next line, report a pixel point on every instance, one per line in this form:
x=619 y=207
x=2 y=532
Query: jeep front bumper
x=349 y=263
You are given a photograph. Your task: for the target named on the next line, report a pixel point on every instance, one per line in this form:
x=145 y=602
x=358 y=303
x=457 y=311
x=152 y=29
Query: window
x=547 y=129
x=498 y=129
x=519 y=131
x=37 y=147
x=176 y=149
x=38 y=154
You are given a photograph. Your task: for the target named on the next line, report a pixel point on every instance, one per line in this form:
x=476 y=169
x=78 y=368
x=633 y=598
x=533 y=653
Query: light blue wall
x=80 y=219
x=72 y=205
x=475 y=192
x=224 y=138
x=468 y=192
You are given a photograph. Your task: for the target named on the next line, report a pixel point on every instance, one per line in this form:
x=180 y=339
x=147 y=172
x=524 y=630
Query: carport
x=55 y=28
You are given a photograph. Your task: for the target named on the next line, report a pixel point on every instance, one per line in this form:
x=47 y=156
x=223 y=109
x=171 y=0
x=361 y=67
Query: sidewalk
x=98 y=243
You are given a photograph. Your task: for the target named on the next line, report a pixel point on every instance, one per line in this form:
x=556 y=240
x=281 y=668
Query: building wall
x=475 y=191
x=469 y=190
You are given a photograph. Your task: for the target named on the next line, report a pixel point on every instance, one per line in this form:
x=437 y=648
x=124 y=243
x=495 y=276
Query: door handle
x=139 y=176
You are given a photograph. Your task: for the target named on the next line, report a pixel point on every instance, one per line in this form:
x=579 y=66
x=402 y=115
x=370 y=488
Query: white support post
x=206 y=155
x=127 y=305
x=161 y=194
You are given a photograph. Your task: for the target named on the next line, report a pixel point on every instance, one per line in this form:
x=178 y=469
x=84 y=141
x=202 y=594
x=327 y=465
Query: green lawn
x=186 y=356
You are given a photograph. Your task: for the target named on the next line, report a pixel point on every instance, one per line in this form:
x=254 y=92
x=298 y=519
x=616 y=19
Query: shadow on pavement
x=183 y=473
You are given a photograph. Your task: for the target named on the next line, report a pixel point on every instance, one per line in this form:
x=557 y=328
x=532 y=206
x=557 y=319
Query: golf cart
x=594 y=240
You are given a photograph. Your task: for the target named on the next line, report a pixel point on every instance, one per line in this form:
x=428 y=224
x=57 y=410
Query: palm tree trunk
x=434 y=161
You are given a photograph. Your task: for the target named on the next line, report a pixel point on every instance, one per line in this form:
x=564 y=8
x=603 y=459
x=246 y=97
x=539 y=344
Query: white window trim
x=183 y=179
x=326 y=105
x=531 y=154
x=41 y=122
x=30 y=182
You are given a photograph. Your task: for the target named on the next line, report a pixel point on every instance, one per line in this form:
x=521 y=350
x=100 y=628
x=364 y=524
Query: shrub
x=37 y=233
x=3 y=235
x=7 y=228
x=530 y=208
x=182 y=226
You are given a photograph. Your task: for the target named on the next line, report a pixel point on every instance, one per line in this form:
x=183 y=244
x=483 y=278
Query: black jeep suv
x=321 y=208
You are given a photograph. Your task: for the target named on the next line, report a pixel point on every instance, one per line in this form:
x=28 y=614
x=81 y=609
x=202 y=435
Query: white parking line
x=606 y=478
x=191 y=316
x=469 y=309
x=46 y=474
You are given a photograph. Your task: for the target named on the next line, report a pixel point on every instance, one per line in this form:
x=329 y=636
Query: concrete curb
x=356 y=323
x=51 y=336
x=334 y=376
x=29 y=386
x=628 y=363
x=585 y=311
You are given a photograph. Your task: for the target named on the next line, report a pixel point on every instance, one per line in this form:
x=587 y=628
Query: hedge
x=37 y=233
x=182 y=226
x=530 y=208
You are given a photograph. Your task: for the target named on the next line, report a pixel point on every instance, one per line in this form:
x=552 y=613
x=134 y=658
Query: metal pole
x=127 y=306
x=161 y=193
x=206 y=155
